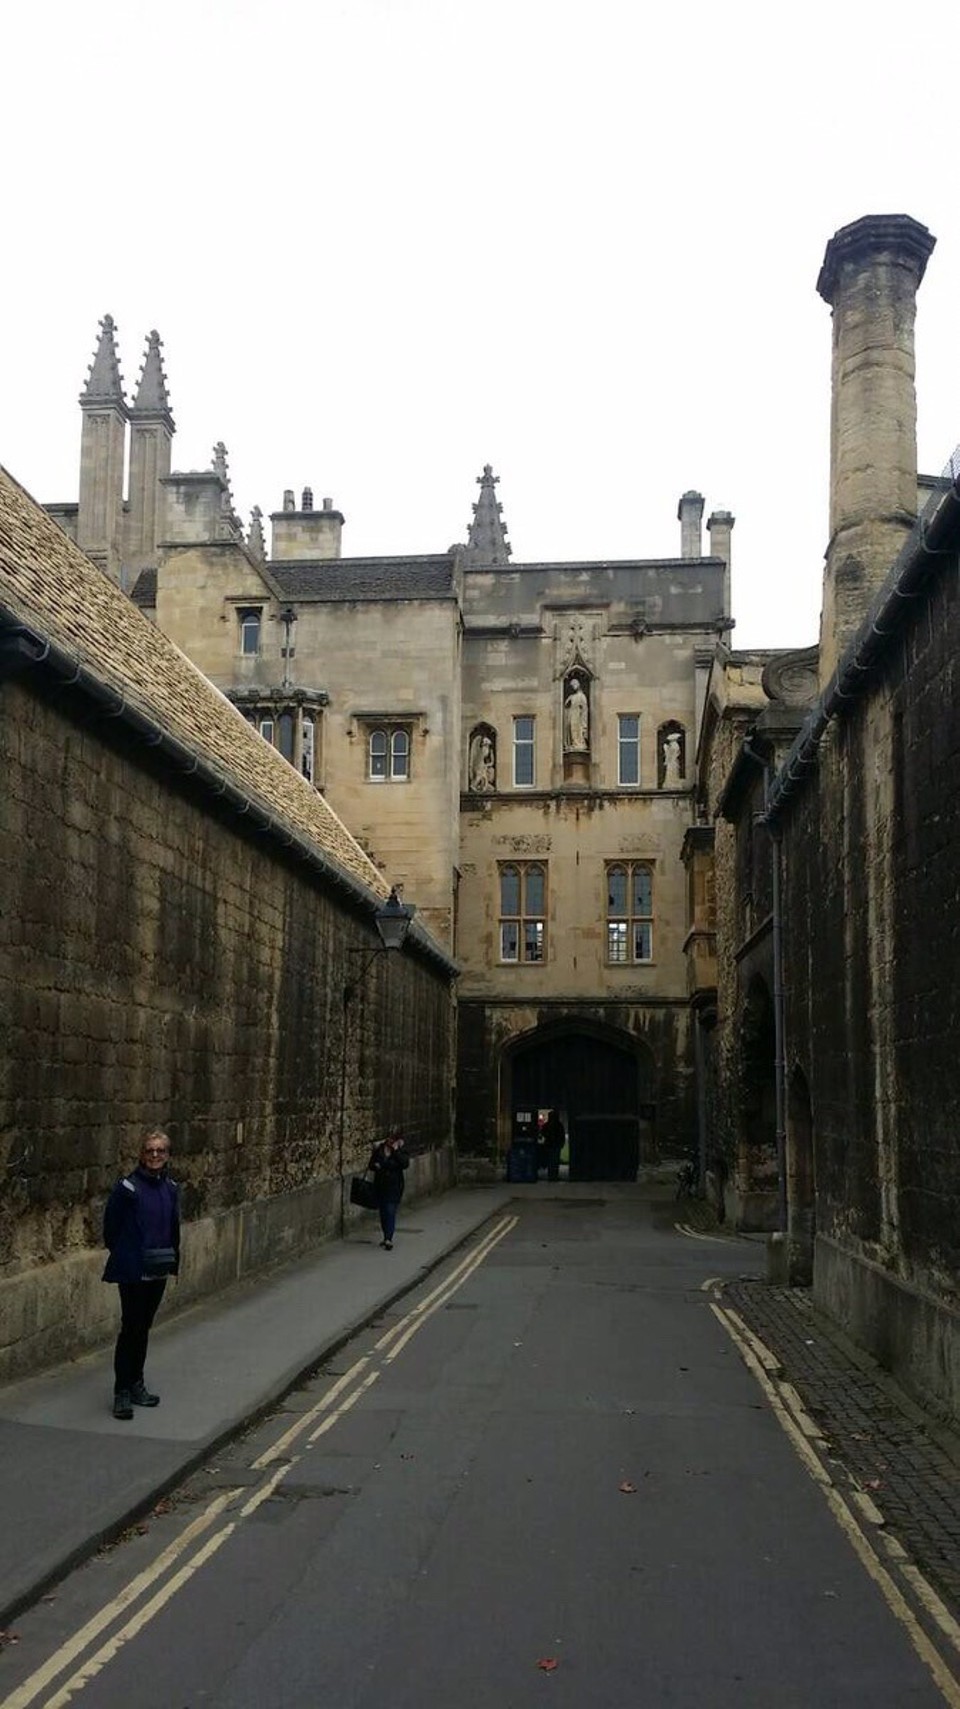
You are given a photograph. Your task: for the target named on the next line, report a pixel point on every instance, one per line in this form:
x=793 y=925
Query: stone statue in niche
x=672 y=760
x=482 y=768
x=576 y=718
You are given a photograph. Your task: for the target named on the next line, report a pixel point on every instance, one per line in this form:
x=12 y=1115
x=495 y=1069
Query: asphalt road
x=547 y=1477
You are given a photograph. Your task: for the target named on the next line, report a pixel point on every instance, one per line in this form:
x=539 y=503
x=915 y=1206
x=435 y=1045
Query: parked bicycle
x=686 y=1181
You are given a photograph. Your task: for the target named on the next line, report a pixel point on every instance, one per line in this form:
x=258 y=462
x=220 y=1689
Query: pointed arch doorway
x=601 y=1082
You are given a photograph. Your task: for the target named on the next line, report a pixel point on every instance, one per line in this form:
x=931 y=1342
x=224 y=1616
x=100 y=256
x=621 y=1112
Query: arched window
x=629 y=912
x=378 y=750
x=388 y=754
x=400 y=753
x=249 y=633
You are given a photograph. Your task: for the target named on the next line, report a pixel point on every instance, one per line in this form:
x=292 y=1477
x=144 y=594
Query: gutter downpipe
x=779 y=1053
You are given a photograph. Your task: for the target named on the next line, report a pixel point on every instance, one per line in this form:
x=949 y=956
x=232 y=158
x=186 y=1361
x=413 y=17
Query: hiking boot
x=123 y=1404
x=141 y=1396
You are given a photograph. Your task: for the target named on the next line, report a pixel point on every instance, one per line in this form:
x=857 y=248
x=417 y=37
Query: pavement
x=72 y=1477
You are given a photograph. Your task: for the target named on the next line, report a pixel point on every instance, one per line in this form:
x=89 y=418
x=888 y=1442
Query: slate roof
x=52 y=588
x=345 y=580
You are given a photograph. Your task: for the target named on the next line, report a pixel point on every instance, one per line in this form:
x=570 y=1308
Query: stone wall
x=871 y=956
x=161 y=965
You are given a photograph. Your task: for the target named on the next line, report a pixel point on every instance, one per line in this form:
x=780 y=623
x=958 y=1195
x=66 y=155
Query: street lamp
x=392 y=920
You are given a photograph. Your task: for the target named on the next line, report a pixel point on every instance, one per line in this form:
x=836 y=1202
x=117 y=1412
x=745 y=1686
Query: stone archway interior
x=602 y=1092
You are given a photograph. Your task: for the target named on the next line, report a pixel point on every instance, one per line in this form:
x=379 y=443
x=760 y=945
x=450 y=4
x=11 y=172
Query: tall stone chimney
x=690 y=517
x=720 y=529
x=870 y=276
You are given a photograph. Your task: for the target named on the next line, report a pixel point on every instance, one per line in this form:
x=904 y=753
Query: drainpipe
x=700 y=1069
x=779 y=1057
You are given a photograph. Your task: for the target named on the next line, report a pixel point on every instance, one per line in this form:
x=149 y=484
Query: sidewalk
x=72 y=1475
x=878 y=1440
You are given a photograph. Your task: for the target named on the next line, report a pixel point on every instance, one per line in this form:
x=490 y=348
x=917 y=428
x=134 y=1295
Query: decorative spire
x=487 y=534
x=152 y=398
x=229 y=519
x=104 y=381
x=255 y=539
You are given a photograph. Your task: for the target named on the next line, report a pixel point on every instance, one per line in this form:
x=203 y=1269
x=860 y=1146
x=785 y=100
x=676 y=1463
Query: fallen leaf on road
x=547 y=1663
x=627 y=1488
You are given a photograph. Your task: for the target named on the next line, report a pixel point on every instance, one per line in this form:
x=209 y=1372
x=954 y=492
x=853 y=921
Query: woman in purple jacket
x=141 y=1228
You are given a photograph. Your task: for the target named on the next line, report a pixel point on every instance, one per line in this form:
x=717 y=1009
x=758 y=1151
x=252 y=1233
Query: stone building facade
x=691 y=891
x=833 y=1079
x=187 y=937
x=513 y=743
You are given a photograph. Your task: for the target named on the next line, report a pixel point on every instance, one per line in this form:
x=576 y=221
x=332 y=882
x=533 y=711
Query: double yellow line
x=193 y=1549
x=863 y=1528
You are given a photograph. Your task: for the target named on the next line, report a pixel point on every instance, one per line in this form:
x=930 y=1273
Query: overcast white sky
x=387 y=241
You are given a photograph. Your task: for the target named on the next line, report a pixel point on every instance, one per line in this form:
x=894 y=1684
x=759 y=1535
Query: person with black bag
x=388 y=1160
x=141 y=1229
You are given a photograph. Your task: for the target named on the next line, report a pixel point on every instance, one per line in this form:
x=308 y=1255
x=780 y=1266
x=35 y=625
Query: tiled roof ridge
x=51 y=585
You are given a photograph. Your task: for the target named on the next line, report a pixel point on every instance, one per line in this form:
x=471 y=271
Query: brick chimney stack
x=870 y=276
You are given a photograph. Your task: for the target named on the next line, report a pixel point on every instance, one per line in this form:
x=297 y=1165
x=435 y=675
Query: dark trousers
x=388 y=1217
x=138 y=1308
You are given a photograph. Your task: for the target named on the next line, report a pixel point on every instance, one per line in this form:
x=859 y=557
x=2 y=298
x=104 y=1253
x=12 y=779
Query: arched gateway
x=601 y=1081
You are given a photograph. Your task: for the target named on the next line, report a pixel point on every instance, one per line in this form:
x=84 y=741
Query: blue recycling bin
x=522 y=1162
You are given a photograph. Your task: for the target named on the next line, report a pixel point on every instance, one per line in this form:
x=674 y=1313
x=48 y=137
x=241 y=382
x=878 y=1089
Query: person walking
x=141 y=1230
x=388 y=1160
x=554 y=1137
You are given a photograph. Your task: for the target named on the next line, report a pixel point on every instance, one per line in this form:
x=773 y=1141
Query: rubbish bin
x=522 y=1162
